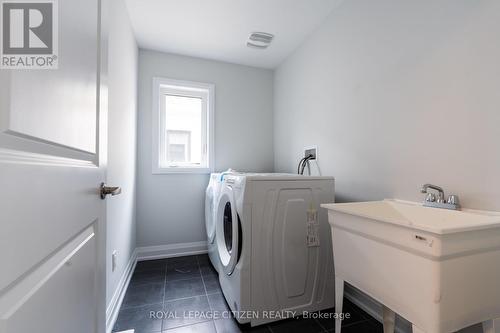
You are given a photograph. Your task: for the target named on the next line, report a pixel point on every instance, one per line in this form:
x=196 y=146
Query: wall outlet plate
x=311 y=151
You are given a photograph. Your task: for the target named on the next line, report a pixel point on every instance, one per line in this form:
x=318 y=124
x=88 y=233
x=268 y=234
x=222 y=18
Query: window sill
x=181 y=170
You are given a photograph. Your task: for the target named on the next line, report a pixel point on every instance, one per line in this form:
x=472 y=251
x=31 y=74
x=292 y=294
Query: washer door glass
x=227 y=231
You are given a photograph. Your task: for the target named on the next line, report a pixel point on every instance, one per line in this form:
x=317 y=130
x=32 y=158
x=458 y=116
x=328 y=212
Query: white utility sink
x=438 y=268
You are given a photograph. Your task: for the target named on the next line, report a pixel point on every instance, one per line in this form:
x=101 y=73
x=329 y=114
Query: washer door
x=210 y=214
x=227 y=230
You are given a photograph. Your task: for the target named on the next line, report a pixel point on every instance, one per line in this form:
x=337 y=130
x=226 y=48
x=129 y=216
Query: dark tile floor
x=176 y=295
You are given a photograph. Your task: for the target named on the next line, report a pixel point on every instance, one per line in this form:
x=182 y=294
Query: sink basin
x=439 y=269
x=418 y=217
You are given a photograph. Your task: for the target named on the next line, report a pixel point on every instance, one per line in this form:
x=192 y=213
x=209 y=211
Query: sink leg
x=389 y=318
x=415 y=329
x=339 y=298
x=491 y=326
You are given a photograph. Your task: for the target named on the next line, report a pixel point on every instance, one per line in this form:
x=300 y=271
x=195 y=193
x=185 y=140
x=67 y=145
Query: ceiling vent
x=259 y=40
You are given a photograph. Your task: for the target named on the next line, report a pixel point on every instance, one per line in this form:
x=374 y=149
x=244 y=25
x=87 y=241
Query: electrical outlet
x=311 y=151
x=114 y=260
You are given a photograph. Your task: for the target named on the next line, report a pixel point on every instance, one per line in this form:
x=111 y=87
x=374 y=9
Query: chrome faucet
x=431 y=200
x=430 y=196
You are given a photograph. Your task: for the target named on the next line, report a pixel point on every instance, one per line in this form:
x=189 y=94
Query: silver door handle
x=113 y=190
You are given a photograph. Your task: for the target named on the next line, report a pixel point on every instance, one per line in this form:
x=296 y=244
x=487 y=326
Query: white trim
x=372 y=307
x=22 y=157
x=209 y=90
x=117 y=299
x=38 y=140
x=179 y=169
x=171 y=250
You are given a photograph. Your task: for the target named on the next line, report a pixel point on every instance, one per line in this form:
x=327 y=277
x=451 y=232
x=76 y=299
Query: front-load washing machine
x=274 y=245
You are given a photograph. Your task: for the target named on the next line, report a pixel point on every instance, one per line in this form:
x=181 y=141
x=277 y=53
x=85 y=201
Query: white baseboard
x=117 y=299
x=171 y=250
x=373 y=308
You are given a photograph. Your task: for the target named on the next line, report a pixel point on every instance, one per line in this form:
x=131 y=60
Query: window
x=182 y=126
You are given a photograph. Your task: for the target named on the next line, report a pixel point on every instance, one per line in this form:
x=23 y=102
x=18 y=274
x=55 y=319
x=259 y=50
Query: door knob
x=113 y=190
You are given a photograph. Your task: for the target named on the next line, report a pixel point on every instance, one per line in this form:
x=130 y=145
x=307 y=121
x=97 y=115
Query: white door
x=52 y=230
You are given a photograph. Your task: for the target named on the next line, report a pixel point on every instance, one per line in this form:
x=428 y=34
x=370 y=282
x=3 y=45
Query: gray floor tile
x=364 y=327
x=151 y=265
x=208 y=271
x=203 y=259
x=147 y=277
x=186 y=311
x=184 y=288
x=218 y=303
x=356 y=315
x=212 y=284
x=206 y=327
x=139 y=319
x=377 y=326
x=144 y=294
x=231 y=326
x=188 y=280
x=296 y=325
x=183 y=270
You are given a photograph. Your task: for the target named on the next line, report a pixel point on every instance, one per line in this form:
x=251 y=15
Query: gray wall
x=122 y=128
x=170 y=208
x=396 y=94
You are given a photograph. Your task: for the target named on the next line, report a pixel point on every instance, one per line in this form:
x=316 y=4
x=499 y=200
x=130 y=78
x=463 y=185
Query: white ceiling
x=219 y=29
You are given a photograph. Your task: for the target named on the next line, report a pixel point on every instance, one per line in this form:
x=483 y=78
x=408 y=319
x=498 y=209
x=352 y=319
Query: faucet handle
x=430 y=197
x=453 y=200
x=440 y=198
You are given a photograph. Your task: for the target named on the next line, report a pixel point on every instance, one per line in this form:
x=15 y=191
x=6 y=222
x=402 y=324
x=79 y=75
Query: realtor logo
x=29 y=34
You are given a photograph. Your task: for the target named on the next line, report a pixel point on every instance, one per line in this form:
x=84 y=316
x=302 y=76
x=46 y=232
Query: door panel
x=70 y=308
x=52 y=159
x=295 y=263
x=291 y=250
x=287 y=272
x=40 y=212
x=64 y=100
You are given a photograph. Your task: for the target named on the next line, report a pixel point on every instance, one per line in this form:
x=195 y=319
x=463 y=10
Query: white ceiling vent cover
x=259 y=40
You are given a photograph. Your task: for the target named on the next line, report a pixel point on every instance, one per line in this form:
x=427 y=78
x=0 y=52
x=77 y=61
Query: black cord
x=304 y=166
x=300 y=164
x=304 y=162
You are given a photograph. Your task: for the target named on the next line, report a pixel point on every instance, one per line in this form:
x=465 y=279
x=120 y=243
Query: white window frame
x=205 y=91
